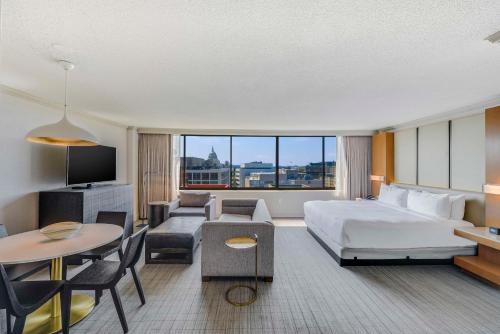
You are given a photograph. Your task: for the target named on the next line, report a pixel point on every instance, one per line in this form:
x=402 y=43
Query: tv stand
x=88 y=186
x=82 y=205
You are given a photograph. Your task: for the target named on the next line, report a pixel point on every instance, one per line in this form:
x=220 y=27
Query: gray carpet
x=310 y=294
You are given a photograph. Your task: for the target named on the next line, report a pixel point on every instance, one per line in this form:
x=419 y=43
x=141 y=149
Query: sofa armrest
x=171 y=206
x=210 y=209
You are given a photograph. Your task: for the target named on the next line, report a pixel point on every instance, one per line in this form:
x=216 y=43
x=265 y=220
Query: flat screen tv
x=90 y=164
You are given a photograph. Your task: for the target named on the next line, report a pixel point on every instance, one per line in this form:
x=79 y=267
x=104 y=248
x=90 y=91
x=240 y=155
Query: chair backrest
x=3 y=231
x=194 y=198
x=133 y=251
x=118 y=218
x=8 y=298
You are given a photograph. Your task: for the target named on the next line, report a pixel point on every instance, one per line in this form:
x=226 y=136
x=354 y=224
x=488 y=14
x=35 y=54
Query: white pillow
x=457 y=207
x=437 y=205
x=393 y=195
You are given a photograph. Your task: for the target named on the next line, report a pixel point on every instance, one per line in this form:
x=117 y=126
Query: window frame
x=276 y=167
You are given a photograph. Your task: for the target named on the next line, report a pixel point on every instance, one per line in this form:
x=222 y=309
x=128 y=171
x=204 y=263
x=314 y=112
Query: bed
x=369 y=232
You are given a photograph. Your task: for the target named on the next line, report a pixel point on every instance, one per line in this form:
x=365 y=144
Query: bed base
x=377 y=262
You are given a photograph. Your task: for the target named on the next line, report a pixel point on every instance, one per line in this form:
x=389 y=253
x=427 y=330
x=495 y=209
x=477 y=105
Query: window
x=254 y=162
x=258 y=162
x=206 y=162
x=330 y=162
x=301 y=162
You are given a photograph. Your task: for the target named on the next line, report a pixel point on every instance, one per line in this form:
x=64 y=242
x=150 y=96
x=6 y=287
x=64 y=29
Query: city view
x=208 y=164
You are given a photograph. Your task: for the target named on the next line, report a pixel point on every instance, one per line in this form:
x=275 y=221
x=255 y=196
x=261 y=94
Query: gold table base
x=43 y=322
x=242 y=243
x=250 y=300
x=47 y=319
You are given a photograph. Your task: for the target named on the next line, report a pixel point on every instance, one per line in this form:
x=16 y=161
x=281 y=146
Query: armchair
x=240 y=217
x=193 y=204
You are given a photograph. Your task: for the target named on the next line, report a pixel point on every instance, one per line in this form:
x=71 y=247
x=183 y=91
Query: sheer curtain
x=354 y=166
x=175 y=166
x=155 y=166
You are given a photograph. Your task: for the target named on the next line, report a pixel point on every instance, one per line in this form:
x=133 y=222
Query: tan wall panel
x=468 y=153
x=405 y=156
x=433 y=155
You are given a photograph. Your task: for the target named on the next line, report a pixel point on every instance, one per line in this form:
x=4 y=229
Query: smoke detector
x=495 y=38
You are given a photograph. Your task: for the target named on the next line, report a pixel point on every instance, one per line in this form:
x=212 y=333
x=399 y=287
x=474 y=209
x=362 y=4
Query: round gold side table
x=241 y=243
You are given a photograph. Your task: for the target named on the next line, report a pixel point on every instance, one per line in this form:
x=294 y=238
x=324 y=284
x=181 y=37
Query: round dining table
x=33 y=246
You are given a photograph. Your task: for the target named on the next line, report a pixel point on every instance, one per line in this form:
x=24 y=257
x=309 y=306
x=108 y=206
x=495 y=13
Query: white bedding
x=372 y=224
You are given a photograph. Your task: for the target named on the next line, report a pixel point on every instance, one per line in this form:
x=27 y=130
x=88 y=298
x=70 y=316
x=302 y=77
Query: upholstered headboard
x=474 y=201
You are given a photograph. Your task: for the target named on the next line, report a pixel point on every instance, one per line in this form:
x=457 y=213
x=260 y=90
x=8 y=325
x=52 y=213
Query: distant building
x=251 y=167
x=212 y=161
x=193 y=162
x=260 y=180
x=206 y=171
x=207 y=176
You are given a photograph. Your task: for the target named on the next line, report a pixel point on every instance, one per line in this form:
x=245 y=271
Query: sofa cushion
x=229 y=217
x=188 y=211
x=261 y=213
x=194 y=199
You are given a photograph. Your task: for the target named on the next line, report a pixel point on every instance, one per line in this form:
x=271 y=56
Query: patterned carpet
x=310 y=294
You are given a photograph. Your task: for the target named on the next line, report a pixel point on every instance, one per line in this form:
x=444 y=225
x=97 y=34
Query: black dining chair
x=105 y=275
x=18 y=272
x=100 y=253
x=21 y=298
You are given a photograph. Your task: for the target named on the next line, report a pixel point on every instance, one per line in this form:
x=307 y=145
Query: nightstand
x=486 y=264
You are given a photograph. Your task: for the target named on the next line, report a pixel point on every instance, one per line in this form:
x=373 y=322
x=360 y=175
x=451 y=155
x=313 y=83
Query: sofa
x=240 y=217
x=191 y=204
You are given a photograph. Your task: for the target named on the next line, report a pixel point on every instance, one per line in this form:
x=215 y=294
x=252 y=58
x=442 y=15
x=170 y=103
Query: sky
x=293 y=150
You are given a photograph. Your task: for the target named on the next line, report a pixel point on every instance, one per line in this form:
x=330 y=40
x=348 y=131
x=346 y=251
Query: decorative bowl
x=62 y=230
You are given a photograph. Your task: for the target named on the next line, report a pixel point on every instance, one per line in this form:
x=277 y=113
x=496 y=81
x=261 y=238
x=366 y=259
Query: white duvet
x=372 y=224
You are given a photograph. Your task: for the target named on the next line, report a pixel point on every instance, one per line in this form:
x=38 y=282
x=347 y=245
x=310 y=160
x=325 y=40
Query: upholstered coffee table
x=174 y=240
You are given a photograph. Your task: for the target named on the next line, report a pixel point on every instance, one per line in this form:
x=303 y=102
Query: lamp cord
x=65 y=92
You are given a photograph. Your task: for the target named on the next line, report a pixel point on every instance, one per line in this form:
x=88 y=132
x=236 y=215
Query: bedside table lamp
x=492 y=189
x=378 y=178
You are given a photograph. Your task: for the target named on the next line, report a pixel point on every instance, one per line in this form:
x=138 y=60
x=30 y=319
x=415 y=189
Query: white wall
x=281 y=203
x=27 y=168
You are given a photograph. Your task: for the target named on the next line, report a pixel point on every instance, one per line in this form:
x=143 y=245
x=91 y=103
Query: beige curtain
x=155 y=165
x=175 y=166
x=354 y=166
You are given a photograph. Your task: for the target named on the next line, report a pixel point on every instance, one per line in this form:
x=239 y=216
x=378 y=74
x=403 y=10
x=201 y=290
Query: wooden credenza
x=486 y=264
x=82 y=205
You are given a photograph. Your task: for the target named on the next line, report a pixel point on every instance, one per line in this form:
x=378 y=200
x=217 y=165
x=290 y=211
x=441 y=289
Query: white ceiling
x=288 y=64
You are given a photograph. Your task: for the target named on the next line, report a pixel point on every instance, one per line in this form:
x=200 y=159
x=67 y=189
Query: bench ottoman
x=174 y=240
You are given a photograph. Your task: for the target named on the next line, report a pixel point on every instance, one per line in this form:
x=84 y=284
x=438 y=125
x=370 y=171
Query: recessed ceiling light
x=495 y=38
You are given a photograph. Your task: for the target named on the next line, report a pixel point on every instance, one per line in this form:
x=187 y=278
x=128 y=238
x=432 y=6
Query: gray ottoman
x=174 y=241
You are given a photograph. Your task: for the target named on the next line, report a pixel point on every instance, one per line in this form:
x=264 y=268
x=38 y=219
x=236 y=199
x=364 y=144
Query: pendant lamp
x=64 y=132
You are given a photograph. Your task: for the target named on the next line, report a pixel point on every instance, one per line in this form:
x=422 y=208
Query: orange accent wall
x=492 y=127
x=382 y=159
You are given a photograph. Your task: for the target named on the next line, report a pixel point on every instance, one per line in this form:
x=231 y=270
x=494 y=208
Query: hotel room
x=249 y=167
